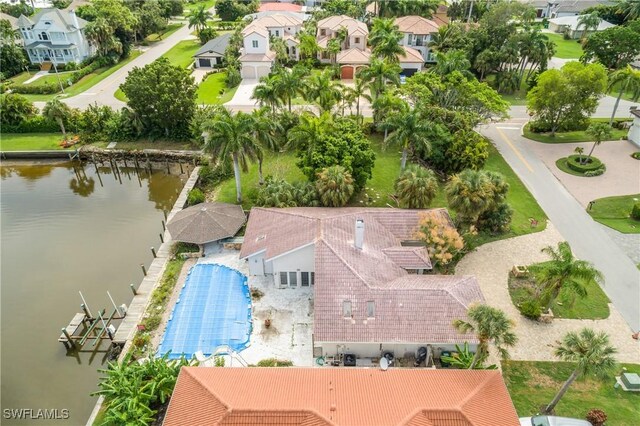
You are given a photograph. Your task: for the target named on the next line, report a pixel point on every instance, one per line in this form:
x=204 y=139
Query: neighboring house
x=54 y=35
x=560 y=8
x=328 y=28
x=634 y=130
x=571 y=25
x=13 y=21
x=212 y=53
x=256 y=57
x=340 y=397
x=411 y=62
x=371 y=294
x=416 y=33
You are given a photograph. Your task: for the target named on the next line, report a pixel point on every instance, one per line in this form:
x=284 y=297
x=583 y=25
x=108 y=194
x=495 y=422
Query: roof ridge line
x=490 y=376
x=345 y=263
x=464 y=280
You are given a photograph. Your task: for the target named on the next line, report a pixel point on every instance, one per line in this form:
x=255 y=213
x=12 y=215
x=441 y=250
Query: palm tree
x=599 y=132
x=265 y=129
x=308 y=45
x=231 y=136
x=631 y=9
x=469 y=194
x=579 y=150
x=490 y=325
x=592 y=354
x=379 y=75
x=387 y=105
x=360 y=91
x=384 y=39
x=59 y=112
x=266 y=94
x=309 y=131
x=565 y=273
x=323 y=91
x=289 y=83
x=411 y=130
x=416 y=187
x=627 y=79
x=335 y=186
x=198 y=18
x=453 y=60
x=590 y=22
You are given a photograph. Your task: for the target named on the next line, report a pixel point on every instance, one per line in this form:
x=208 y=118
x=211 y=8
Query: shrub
x=35 y=124
x=416 y=187
x=530 y=308
x=196 y=196
x=592 y=163
x=592 y=173
x=152 y=322
x=635 y=211
x=274 y=362
x=141 y=340
x=15 y=109
x=496 y=220
x=212 y=175
x=442 y=239
x=596 y=417
x=335 y=186
x=636 y=155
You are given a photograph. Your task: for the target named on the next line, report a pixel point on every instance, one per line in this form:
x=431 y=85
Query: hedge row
x=573 y=161
x=48 y=89
x=35 y=124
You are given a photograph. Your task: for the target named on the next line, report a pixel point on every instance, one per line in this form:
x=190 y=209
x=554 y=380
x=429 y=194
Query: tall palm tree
x=416 y=187
x=323 y=91
x=380 y=74
x=360 y=91
x=592 y=354
x=411 y=130
x=631 y=9
x=289 y=83
x=266 y=93
x=231 y=136
x=387 y=105
x=265 y=129
x=626 y=79
x=453 y=60
x=599 y=132
x=309 y=130
x=565 y=273
x=335 y=186
x=469 y=194
x=308 y=45
x=589 y=21
x=384 y=39
x=59 y=112
x=491 y=325
x=198 y=18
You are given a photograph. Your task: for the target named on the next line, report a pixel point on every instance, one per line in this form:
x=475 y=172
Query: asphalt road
x=586 y=237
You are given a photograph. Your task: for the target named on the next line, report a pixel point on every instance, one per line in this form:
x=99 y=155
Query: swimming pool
x=213 y=309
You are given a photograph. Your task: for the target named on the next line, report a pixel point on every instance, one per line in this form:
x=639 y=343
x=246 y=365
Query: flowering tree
x=442 y=239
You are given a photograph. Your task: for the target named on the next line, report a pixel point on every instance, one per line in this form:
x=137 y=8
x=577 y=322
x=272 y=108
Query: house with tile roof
x=417 y=33
x=339 y=397
x=354 y=53
x=372 y=293
x=54 y=35
x=256 y=56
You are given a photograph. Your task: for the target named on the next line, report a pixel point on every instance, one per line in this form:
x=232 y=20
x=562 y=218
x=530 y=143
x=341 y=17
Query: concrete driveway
x=242 y=97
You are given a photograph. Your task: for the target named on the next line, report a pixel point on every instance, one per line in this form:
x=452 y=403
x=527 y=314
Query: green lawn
x=30 y=141
x=519 y=97
x=614 y=212
x=208 y=4
x=182 y=53
x=565 y=49
x=381 y=186
x=570 y=137
x=209 y=90
x=534 y=384
x=171 y=28
x=594 y=306
x=561 y=163
x=80 y=86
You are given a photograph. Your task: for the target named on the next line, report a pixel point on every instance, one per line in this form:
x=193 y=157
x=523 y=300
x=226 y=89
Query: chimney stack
x=359 y=237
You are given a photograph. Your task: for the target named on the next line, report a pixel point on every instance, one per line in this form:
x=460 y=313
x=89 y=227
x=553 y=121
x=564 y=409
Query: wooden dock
x=129 y=325
x=77 y=321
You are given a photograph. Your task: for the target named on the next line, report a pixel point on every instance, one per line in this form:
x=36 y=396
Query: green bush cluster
x=636 y=155
x=577 y=163
x=35 y=124
x=48 y=88
x=195 y=196
x=280 y=193
x=592 y=173
x=274 y=362
x=212 y=175
x=635 y=211
x=530 y=308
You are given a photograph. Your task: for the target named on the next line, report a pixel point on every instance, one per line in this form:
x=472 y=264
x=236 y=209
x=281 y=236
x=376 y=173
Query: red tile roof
x=339 y=396
x=279 y=7
x=408 y=307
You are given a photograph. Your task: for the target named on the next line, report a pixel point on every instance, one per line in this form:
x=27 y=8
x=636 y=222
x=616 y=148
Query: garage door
x=347 y=73
x=204 y=63
x=262 y=71
x=409 y=71
x=248 y=72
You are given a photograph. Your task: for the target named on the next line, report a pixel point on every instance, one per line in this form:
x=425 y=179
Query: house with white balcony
x=417 y=33
x=54 y=35
x=256 y=57
x=356 y=34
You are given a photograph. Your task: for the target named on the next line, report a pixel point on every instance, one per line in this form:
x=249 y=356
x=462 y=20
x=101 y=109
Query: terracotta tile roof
x=279 y=7
x=416 y=25
x=262 y=24
x=353 y=56
x=408 y=307
x=334 y=23
x=411 y=55
x=339 y=396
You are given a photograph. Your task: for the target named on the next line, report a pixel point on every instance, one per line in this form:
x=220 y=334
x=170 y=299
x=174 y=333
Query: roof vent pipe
x=359 y=237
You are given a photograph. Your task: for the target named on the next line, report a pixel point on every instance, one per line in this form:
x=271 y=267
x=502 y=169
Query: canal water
x=64 y=229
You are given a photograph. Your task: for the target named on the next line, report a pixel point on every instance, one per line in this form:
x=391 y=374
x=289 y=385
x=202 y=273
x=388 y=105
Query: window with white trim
x=254 y=44
x=283 y=279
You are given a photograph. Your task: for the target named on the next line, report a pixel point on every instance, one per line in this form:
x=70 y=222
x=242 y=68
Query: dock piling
x=161 y=238
x=133 y=289
x=144 y=270
x=69 y=340
x=153 y=252
x=164 y=227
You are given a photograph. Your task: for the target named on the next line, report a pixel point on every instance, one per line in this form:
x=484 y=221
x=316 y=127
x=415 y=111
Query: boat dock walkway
x=129 y=325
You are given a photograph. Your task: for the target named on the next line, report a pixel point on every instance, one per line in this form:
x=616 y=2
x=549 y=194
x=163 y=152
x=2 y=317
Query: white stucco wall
x=375 y=350
x=362 y=42
x=263 y=44
x=634 y=132
x=301 y=260
x=410 y=65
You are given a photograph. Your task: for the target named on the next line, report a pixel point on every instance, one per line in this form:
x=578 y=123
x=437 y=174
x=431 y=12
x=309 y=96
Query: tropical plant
x=309 y=130
x=360 y=91
x=491 y=325
x=388 y=104
x=627 y=79
x=380 y=75
x=59 y=112
x=265 y=130
x=198 y=18
x=335 y=186
x=308 y=45
x=592 y=354
x=410 y=131
x=579 y=151
x=266 y=93
x=416 y=187
x=450 y=61
x=231 y=135
x=590 y=21
x=441 y=239
x=599 y=132
x=564 y=274
x=385 y=38
x=631 y=9
x=463 y=358
x=289 y=83
x=323 y=91
x=15 y=109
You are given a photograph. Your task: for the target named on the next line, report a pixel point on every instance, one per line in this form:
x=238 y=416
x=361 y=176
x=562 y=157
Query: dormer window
x=277 y=33
x=357 y=40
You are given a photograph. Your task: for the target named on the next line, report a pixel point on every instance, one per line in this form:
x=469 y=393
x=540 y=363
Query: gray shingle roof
x=217 y=45
x=62 y=18
x=206 y=222
x=408 y=307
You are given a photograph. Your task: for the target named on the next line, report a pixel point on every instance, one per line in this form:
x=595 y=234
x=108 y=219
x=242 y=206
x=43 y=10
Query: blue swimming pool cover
x=213 y=309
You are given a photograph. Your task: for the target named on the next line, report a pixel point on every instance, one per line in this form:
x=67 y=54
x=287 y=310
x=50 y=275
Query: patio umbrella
x=206 y=222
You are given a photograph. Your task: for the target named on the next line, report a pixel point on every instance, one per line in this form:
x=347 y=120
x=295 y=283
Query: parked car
x=552 y=421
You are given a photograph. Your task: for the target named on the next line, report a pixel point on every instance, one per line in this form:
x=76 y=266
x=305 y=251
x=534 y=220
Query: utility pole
x=57 y=75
